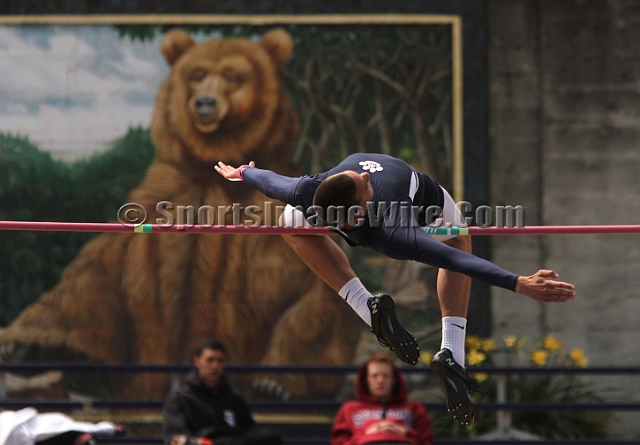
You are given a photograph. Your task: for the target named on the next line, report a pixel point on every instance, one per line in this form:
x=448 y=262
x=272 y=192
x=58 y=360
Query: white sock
x=357 y=296
x=453 y=332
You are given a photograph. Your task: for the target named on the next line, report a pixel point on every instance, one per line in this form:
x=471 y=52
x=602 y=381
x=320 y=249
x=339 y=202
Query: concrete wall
x=564 y=112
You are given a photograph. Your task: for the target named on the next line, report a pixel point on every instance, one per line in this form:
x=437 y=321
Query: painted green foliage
x=34 y=187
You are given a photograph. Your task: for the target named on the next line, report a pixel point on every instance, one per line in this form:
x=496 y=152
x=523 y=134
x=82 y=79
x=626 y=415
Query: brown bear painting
x=151 y=298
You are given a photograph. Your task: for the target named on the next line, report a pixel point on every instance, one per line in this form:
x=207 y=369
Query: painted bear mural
x=151 y=298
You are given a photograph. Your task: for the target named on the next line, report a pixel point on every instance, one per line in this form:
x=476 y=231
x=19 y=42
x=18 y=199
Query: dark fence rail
x=315 y=405
x=258 y=369
x=318 y=405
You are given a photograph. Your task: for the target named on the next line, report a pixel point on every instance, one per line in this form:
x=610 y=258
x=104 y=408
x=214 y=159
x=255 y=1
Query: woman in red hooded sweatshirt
x=382 y=415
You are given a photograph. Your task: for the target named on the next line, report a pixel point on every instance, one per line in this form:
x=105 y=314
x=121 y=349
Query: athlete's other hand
x=229 y=172
x=542 y=286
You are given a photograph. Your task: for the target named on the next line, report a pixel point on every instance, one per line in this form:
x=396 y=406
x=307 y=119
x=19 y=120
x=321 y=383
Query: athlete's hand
x=542 y=286
x=229 y=172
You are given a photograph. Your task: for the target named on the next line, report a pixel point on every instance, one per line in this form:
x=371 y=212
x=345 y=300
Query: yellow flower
x=488 y=345
x=425 y=356
x=576 y=353
x=481 y=376
x=510 y=340
x=473 y=342
x=475 y=357
x=579 y=358
x=552 y=344
x=539 y=357
x=581 y=363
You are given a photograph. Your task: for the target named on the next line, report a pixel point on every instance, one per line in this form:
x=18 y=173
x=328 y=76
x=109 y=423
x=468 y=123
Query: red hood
x=398 y=395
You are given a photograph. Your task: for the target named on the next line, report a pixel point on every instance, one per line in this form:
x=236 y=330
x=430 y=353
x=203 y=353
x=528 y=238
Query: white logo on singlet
x=371 y=166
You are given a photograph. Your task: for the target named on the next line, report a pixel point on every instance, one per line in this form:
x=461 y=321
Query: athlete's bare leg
x=453 y=294
x=330 y=263
x=454 y=288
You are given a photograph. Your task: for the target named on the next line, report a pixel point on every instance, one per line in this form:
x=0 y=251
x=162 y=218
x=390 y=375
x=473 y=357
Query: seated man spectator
x=382 y=415
x=207 y=410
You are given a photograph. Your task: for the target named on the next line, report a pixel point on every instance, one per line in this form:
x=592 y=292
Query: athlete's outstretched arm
x=282 y=188
x=319 y=252
x=415 y=244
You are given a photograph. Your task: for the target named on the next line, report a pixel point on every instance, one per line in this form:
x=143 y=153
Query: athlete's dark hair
x=210 y=344
x=338 y=190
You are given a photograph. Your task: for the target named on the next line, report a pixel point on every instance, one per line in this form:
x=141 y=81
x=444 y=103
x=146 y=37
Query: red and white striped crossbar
x=263 y=230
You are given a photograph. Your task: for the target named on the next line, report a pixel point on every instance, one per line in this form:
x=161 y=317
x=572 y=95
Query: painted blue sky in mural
x=74 y=90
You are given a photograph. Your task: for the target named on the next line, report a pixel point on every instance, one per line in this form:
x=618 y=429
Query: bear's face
x=217 y=91
x=222 y=96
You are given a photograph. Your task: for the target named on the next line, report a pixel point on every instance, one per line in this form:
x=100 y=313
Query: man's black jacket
x=196 y=410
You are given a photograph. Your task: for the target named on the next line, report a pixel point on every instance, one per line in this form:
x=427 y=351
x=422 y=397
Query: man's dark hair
x=210 y=344
x=338 y=190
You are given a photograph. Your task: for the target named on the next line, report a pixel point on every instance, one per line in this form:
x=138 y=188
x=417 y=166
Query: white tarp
x=27 y=426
